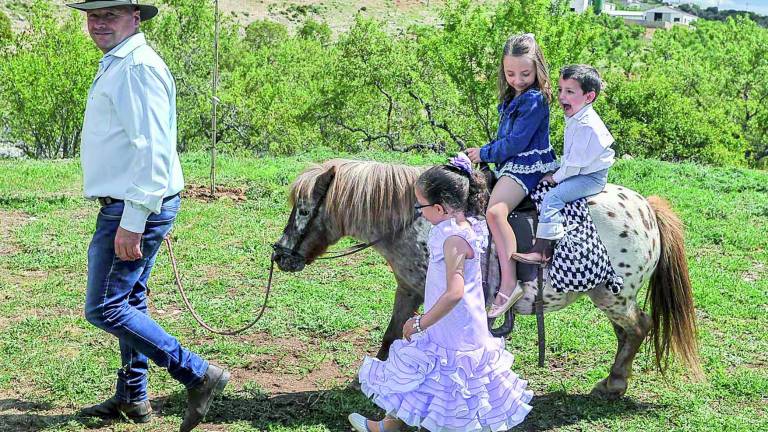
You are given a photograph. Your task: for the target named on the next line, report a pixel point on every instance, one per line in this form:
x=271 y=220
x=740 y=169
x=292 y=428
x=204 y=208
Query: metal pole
x=214 y=99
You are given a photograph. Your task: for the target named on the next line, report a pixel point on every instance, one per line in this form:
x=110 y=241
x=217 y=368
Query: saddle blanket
x=580 y=261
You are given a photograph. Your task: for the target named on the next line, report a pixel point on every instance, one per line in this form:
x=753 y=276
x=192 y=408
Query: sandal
x=509 y=301
x=360 y=424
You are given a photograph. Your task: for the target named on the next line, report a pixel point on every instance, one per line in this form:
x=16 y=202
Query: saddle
x=523 y=220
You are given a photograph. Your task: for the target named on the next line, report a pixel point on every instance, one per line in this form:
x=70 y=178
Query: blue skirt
x=527 y=181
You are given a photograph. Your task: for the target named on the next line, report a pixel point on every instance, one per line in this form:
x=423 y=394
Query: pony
x=373 y=202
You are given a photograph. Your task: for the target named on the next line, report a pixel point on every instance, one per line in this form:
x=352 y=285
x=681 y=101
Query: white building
x=660 y=17
x=665 y=16
x=579 y=6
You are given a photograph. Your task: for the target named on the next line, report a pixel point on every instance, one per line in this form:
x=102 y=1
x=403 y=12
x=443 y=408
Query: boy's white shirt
x=587 y=145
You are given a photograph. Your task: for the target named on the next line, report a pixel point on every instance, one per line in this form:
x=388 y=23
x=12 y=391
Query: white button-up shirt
x=587 y=145
x=128 y=147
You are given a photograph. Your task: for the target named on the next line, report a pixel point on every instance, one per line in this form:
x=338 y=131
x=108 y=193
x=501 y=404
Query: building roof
x=627 y=14
x=667 y=9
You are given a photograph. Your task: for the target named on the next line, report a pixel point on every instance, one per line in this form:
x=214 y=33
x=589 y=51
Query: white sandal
x=509 y=301
x=360 y=423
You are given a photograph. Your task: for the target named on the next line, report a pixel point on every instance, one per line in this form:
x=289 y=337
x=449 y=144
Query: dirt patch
x=10 y=221
x=292 y=368
x=203 y=193
x=755 y=273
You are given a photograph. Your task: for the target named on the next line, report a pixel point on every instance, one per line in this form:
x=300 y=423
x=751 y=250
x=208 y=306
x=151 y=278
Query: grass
x=291 y=373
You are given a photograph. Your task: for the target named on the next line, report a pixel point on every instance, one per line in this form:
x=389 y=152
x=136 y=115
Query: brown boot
x=539 y=254
x=199 y=398
x=137 y=412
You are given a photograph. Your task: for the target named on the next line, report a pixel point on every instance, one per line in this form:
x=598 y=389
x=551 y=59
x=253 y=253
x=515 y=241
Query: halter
x=337 y=254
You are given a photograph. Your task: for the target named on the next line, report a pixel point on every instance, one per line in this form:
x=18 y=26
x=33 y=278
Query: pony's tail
x=672 y=311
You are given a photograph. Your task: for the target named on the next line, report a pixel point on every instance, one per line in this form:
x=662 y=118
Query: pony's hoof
x=609 y=389
x=354 y=385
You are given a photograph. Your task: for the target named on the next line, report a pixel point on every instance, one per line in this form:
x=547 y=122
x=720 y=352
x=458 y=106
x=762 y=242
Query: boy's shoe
x=539 y=254
x=199 y=398
x=137 y=412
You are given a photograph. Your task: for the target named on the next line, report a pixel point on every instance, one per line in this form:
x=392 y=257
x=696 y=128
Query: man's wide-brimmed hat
x=146 y=12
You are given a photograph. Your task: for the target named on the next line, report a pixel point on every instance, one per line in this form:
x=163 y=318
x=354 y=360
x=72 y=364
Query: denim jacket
x=523 y=136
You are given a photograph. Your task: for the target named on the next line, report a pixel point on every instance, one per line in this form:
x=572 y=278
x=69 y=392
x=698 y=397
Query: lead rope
x=192 y=309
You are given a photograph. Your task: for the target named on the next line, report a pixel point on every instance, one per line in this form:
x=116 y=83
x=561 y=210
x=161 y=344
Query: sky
x=758 y=6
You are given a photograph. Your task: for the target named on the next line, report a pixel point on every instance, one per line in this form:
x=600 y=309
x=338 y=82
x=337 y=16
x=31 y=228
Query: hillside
x=338 y=14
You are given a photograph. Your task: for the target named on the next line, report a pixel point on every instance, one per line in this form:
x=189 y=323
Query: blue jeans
x=551 y=219
x=116 y=301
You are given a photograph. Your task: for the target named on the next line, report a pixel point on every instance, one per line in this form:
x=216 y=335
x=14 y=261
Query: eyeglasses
x=418 y=207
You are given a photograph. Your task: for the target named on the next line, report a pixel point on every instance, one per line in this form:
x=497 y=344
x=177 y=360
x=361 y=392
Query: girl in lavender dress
x=448 y=373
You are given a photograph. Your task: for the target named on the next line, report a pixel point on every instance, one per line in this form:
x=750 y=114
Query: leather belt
x=105 y=201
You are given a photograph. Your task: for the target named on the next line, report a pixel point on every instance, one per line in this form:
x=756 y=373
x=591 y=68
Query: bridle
x=280 y=249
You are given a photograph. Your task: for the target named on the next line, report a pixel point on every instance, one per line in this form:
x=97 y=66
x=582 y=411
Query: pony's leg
x=631 y=325
x=407 y=302
x=506 y=195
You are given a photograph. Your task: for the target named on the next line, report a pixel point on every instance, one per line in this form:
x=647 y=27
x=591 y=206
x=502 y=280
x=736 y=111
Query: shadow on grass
x=558 y=409
x=330 y=408
x=327 y=408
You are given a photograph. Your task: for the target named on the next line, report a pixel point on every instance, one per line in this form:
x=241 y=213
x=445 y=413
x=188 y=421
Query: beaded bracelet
x=417 y=323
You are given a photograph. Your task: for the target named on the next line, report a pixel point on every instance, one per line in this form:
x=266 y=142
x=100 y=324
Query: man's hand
x=548 y=178
x=474 y=154
x=127 y=245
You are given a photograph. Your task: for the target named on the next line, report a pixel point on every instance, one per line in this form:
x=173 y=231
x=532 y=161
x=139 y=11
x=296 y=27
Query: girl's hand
x=408 y=329
x=474 y=154
x=548 y=178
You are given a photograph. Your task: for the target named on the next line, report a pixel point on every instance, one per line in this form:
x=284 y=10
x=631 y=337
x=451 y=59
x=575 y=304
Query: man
x=131 y=167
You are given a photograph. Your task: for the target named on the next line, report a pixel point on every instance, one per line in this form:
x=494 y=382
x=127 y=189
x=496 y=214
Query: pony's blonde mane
x=364 y=197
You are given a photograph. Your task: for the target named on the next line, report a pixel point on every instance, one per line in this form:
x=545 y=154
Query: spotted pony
x=644 y=239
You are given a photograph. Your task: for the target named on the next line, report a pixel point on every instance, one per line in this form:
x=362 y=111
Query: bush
x=45 y=90
x=315 y=30
x=264 y=33
x=183 y=36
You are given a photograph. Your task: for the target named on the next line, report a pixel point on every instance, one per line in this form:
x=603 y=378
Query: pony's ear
x=322 y=184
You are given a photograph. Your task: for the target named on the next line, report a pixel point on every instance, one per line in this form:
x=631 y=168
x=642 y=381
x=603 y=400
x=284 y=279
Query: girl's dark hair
x=450 y=186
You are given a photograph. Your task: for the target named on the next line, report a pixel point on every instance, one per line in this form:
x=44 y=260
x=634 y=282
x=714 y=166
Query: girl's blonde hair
x=524 y=45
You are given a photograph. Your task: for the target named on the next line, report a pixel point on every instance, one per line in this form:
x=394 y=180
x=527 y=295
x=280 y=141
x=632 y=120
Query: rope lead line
x=192 y=309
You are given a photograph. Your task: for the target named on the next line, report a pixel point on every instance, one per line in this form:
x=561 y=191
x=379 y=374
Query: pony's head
x=306 y=235
x=365 y=200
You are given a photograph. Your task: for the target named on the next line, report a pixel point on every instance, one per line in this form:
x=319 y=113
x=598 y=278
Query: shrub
x=263 y=33
x=45 y=90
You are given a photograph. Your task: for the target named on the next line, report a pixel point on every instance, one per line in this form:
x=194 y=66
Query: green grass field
x=291 y=373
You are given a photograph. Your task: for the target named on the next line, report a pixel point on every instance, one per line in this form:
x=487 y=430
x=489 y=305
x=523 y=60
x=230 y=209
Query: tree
x=45 y=90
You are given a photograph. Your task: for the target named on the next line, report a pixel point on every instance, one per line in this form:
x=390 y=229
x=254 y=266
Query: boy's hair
x=587 y=77
x=450 y=186
x=524 y=45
